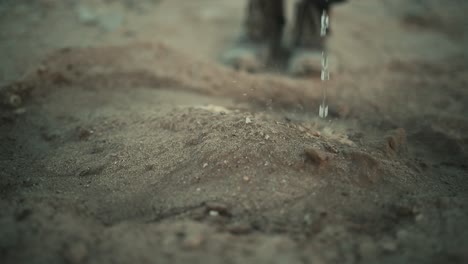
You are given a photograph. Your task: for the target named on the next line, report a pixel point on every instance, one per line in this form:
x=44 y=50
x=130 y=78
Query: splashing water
x=325 y=76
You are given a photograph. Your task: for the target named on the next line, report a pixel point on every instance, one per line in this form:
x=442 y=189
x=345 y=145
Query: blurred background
x=125 y=139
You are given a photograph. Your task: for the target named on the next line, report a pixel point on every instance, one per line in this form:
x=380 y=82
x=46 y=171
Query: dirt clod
x=317 y=157
x=120 y=150
x=395 y=142
x=365 y=167
x=84 y=133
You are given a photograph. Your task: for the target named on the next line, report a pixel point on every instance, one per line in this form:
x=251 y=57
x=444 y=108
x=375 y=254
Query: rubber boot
x=307 y=44
x=261 y=41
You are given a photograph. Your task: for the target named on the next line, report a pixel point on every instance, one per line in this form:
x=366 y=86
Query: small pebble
x=248 y=120
x=217 y=208
x=213 y=213
x=205 y=165
x=84 y=133
x=246 y=179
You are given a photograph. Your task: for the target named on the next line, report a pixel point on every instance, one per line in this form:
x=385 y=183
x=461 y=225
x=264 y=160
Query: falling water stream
x=325 y=76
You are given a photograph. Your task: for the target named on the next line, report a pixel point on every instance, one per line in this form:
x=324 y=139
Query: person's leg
x=307 y=43
x=263 y=28
x=307 y=25
x=265 y=21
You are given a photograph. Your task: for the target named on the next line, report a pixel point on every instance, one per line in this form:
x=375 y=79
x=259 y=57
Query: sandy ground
x=124 y=140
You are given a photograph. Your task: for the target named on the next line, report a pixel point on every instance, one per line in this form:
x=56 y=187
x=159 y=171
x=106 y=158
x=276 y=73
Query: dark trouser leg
x=307 y=44
x=307 y=24
x=263 y=28
x=264 y=22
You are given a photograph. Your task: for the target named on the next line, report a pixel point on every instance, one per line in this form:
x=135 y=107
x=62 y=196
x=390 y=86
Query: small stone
x=198 y=189
x=213 y=213
x=84 y=133
x=267 y=137
x=248 y=120
x=217 y=208
x=205 y=165
x=331 y=148
x=246 y=179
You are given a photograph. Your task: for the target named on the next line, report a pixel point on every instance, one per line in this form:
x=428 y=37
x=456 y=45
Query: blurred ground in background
x=123 y=140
